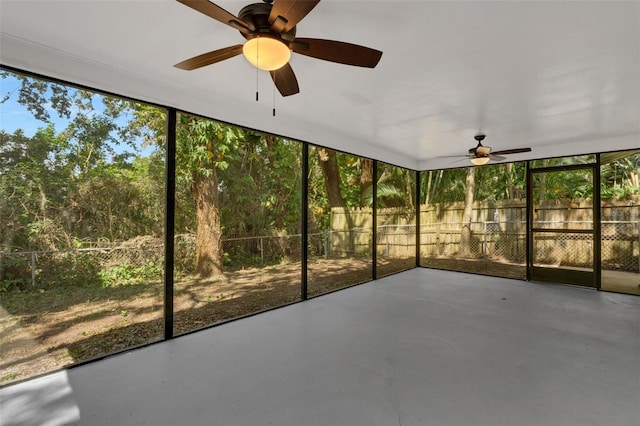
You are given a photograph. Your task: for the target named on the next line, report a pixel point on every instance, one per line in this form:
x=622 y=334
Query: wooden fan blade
x=337 y=51
x=285 y=14
x=458 y=161
x=511 y=151
x=497 y=157
x=214 y=11
x=209 y=58
x=285 y=80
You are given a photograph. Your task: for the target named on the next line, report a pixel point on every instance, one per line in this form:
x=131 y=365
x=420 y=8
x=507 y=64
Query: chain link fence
x=500 y=241
x=621 y=246
x=246 y=251
x=397 y=240
x=506 y=241
x=141 y=257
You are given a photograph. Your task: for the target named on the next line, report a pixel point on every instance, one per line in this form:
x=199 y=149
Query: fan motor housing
x=257 y=14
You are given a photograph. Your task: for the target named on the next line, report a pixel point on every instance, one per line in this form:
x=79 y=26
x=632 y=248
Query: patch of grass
x=8 y=377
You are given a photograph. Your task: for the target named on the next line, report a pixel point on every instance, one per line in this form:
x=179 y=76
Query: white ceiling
x=560 y=77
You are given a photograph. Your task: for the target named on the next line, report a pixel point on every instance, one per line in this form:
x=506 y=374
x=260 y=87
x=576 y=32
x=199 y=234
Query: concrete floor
x=423 y=347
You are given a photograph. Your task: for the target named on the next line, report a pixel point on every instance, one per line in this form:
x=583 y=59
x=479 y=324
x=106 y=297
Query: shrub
x=128 y=274
x=68 y=269
x=15 y=274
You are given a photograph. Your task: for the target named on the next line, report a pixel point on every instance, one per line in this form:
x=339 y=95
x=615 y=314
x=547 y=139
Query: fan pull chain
x=257 y=57
x=274 y=98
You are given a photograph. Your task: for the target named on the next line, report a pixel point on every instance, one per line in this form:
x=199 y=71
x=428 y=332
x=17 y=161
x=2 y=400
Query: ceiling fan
x=270 y=31
x=481 y=154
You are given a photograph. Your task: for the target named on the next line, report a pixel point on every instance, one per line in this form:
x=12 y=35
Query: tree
x=366 y=181
x=203 y=147
x=621 y=175
x=395 y=187
x=465 y=232
x=330 y=171
x=79 y=182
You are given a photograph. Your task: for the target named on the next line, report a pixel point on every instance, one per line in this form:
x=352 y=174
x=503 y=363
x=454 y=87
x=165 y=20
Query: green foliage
x=444 y=186
x=620 y=192
x=621 y=178
x=492 y=182
x=68 y=269
x=183 y=259
x=395 y=187
x=127 y=274
x=260 y=191
x=563 y=185
x=350 y=173
x=83 y=182
x=14 y=274
x=204 y=145
x=37 y=94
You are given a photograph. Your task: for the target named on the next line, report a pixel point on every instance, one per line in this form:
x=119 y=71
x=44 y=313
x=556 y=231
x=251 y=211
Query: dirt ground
x=44 y=331
x=478 y=266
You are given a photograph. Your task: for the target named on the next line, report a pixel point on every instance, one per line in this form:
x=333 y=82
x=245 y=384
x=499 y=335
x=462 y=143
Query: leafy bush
x=15 y=274
x=128 y=274
x=52 y=270
x=68 y=269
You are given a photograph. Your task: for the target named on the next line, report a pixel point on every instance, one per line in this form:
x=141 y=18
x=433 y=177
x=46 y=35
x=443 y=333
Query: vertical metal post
x=169 y=220
x=638 y=245
x=374 y=231
x=386 y=241
x=304 y=226
x=33 y=269
x=597 y=226
x=418 y=225
x=325 y=243
x=484 y=238
x=529 y=222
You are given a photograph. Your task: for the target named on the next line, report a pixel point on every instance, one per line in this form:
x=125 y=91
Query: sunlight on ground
x=19 y=351
x=622 y=282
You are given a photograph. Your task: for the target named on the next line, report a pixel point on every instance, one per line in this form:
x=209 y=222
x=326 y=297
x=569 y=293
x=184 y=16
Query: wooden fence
x=498 y=231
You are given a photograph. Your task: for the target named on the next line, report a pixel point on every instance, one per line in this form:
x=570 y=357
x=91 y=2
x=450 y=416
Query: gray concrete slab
x=423 y=347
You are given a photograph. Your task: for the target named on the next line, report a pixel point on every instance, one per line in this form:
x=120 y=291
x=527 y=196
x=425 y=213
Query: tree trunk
x=433 y=185
x=511 y=190
x=208 y=234
x=366 y=180
x=542 y=184
x=465 y=233
x=329 y=165
x=281 y=194
x=427 y=190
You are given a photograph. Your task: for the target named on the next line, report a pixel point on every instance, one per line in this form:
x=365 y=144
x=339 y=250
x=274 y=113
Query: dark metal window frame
x=170 y=167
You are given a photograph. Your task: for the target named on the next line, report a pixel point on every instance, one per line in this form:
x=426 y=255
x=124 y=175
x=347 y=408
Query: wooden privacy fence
x=498 y=231
x=498 y=240
x=351 y=232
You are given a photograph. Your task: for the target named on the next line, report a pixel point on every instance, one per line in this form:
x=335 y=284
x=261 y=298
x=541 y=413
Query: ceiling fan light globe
x=479 y=161
x=266 y=53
